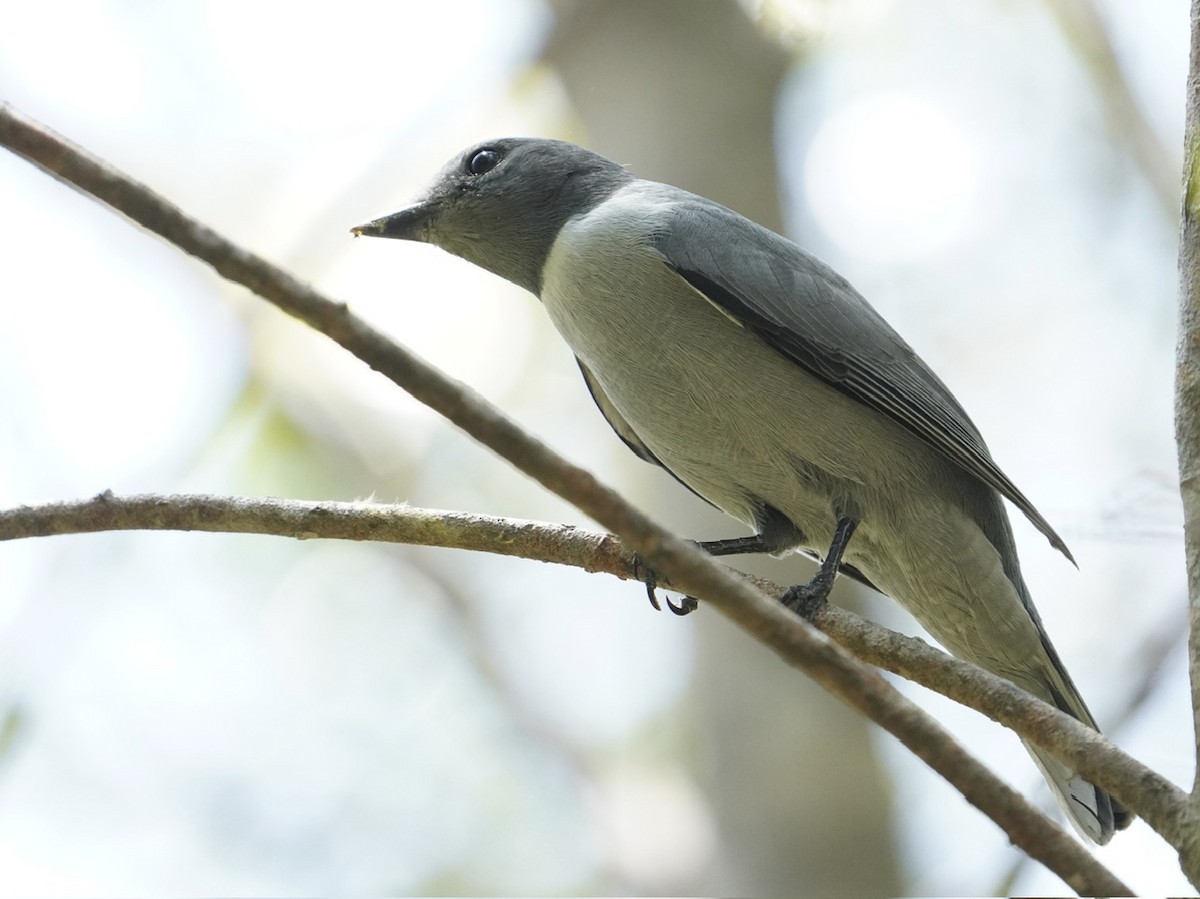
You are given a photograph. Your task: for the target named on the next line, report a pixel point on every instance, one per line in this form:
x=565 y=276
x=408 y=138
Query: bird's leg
x=755 y=543
x=776 y=534
x=735 y=546
x=806 y=599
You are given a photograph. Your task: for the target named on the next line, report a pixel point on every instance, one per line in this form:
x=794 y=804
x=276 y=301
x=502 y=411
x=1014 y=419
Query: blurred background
x=203 y=714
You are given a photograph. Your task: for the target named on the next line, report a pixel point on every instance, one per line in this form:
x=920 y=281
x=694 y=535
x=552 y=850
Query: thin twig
x=685 y=565
x=1087 y=32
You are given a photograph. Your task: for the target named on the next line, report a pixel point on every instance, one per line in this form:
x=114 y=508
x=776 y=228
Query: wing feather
x=809 y=313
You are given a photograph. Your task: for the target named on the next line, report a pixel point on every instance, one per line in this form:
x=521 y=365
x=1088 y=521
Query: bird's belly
x=731 y=417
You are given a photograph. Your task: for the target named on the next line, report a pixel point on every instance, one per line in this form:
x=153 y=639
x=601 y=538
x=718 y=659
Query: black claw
x=651 y=584
x=646 y=574
x=688 y=605
x=650 y=579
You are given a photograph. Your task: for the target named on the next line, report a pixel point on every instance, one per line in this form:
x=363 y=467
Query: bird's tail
x=1090 y=809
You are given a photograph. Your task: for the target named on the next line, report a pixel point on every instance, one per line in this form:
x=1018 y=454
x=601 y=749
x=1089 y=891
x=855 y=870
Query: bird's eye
x=483 y=161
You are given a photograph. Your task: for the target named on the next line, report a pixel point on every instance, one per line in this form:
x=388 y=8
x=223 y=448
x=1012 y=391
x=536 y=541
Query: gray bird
x=760 y=379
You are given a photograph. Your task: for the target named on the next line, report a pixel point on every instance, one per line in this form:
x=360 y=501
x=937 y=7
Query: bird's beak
x=410 y=223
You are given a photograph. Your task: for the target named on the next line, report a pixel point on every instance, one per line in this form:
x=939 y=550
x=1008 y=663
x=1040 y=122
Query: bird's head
x=501 y=203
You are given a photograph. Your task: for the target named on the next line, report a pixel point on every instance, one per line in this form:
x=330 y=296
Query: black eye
x=483 y=161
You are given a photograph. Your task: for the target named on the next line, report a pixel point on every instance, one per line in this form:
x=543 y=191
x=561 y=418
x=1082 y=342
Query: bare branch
x=327 y=520
x=1187 y=409
x=1157 y=800
x=685 y=565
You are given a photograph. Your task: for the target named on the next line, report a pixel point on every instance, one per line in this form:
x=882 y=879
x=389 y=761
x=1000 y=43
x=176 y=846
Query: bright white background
x=203 y=714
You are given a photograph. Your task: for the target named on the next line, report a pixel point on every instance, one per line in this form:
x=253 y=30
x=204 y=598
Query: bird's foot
x=647 y=575
x=806 y=600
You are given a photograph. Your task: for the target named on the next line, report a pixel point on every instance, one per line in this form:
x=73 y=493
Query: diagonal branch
x=685 y=565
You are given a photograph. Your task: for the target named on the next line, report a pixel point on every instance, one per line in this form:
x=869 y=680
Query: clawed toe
x=686 y=605
x=805 y=599
x=650 y=579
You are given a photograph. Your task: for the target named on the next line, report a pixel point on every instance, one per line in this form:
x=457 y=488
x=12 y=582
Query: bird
x=765 y=383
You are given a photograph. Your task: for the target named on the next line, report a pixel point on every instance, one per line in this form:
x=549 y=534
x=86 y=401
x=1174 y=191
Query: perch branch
x=1151 y=796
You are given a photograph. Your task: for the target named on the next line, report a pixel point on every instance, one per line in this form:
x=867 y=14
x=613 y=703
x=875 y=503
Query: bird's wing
x=615 y=419
x=810 y=314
